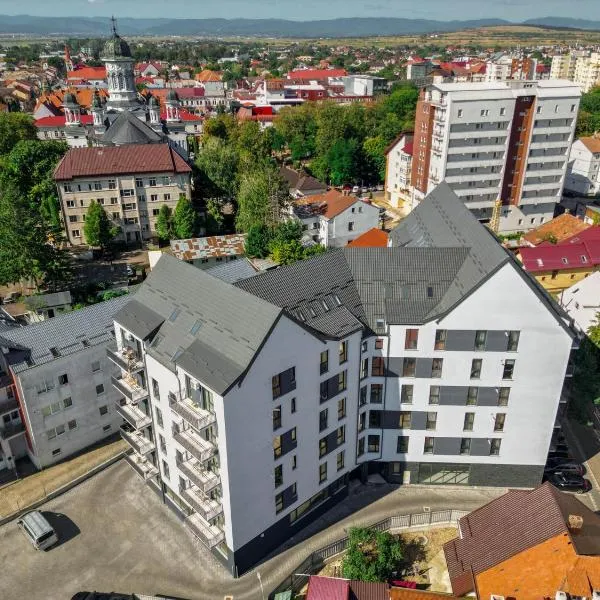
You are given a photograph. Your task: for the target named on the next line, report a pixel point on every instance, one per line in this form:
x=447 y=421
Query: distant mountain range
x=350 y=27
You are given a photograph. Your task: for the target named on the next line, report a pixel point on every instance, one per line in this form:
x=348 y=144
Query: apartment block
x=583 y=170
x=436 y=360
x=506 y=141
x=132 y=182
x=563 y=66
x=587 y=71
x=59 y=395
x=398 y=170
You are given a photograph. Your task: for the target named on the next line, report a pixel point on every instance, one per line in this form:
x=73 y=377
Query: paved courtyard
x=116 y=535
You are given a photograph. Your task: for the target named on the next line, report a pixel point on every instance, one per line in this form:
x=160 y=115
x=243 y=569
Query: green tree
x=286 y=253
x=371 y=556
x=214 y=216
x=374 y=150
x=257 y=241
x=314 y=250
x=593 y=331
x=217 y=164
x=163 y=223
x=97 y=229
x=15 y=127
x=184 y=219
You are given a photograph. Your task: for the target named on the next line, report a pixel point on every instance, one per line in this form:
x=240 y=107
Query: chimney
x=575 y=522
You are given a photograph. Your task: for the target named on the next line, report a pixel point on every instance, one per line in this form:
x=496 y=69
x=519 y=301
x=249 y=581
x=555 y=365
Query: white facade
x=583 y=170
x=398 y=171
x=582 y=301
x=587 y=72
x=471 y=146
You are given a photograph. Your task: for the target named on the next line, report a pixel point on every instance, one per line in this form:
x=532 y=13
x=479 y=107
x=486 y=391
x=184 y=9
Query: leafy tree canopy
x=15 y=127
x=185 y=219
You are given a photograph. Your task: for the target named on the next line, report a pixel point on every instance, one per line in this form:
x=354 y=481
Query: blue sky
x=514 y=10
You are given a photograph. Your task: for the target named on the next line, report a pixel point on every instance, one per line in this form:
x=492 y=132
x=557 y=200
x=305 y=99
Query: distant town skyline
x=513 y=10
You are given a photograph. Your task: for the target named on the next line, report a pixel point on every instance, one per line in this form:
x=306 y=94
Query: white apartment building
x=436 y=360
x=563 y=66
x=587 y=71
x=57 y=388
x=583 y=170
x=503 y=66
x=132 y=182
x=506 y=140
x=398 y=169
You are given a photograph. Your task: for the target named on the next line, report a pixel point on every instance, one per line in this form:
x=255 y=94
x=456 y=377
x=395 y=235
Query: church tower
x=72 y=110
x=68 y=61
x=172 y=105
x=98 y=113
x=154 y=111
x=119 y=73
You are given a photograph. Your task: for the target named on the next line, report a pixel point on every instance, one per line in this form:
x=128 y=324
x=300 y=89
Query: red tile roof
x=397 y=593
x=330 y=204
x=118 y=160
x=184 y=115
x=88 y=73
x=374 y=238
x=591 y=143
x=408 y=148
x=60 y=121
x=327 y=588
x=560 y=228
x=316 y=73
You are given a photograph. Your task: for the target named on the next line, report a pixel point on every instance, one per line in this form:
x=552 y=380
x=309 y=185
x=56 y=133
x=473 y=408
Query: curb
x=65 y=488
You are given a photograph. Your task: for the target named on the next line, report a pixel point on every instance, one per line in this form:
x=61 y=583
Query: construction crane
x=495 y=220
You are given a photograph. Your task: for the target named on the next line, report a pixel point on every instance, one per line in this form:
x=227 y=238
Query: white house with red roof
x=398 y=165
x=583 y=169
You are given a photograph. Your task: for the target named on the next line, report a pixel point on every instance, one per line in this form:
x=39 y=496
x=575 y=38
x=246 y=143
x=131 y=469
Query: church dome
x=172 y=96
x=116 y=47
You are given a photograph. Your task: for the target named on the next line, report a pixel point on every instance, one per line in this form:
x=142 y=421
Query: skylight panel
x=196 y=327
x=174 y=314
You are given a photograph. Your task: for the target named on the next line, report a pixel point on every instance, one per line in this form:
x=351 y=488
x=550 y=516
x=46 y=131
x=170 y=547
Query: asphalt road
x=116 y=535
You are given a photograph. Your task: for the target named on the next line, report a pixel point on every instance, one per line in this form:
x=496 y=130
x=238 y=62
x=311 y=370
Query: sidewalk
x=17 y=496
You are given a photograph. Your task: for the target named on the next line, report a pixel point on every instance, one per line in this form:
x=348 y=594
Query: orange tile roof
x=333 y=202
x=397 y=593
x=560 y=228
x=374 y=238
x=591 y=143
x=208 y=75
x=88 y=73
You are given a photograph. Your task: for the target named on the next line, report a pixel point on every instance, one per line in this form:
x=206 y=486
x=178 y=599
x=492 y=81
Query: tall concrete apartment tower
x=507 y=140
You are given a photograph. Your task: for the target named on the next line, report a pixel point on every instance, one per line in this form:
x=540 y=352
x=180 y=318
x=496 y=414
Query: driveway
x=118 y=536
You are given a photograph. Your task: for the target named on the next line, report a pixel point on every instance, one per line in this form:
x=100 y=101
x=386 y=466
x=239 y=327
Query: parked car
x=37 y=530
x=562 y=454
x=566 y=466
x=568 y=482
x=130 y=271
x=355 y=189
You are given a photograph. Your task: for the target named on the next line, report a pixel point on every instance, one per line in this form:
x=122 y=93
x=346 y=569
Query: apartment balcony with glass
x=126 y=358
x=202 y=478
x=206 y=507
x=197 y=446
x=130 y=387
x=209 y=535
x=191 y=411
x=137 y=440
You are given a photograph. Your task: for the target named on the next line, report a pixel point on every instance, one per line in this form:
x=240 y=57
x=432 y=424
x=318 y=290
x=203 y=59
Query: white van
x=37 y=530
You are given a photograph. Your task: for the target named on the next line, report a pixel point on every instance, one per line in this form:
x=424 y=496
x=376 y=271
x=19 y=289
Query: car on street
x=568 y=482
x=565 y=466
x=355 y=189
x=130 y=271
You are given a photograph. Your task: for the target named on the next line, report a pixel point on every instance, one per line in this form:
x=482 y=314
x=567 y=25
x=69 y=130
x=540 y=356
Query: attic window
x=312 y=311
x=583 y=258
x=430 y=291
x=337 y=299
x=174 y=314
x=196 y=327
x=177 y=354
x=540 y=262
x=54 y=352
x=325 y=305
x=380 y=323
x=301 y=315
x=565 y=260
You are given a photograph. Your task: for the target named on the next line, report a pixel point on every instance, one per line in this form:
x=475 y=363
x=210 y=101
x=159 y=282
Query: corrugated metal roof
x=233 y=270
x=327 y=588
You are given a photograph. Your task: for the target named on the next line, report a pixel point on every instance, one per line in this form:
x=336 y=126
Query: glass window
x=431 y=423
x=322 y=447
x=409 y=367
x=495 y=447
x=341 y=408
x=440 y=339
x=376 y=393
x=436 y=367
x=341 y=435
x=480 y=339
x=411 y=339
x=342 y=381
x=364 y=346
x=362 y=421
x=374 y=418
x=100 y=389
x=472 y=394
x=277 y=446
x=499 y=421
x=509 y=368
x=503 y=394
x=67 y=402
x=402 y=444
x=469 y=421
x=324 y=362
x=404 y=419
x=293 y=405
x=361 y=447
x=513 y=341
x=323 y=420
x=159 y=417
x=377 y=366
x=406 y=396
x=363 y=396
x=434 y=394
x=476 y=368
x=340 y=460
x=276 y=418
x=428 y=446
x=343 y=352
x=63 y=379
x=276 y=385
x=364 y=368
x=96 y=366
x=278 y=503
x=322 y=472
x=373 y=443
x=103 y=410
x=294 y=462
x=465 y=446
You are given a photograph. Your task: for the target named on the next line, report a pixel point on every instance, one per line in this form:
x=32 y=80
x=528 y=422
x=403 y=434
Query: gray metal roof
x=139 y=319
x=47 y=300
x=233 y=270
x=128 y=129
x=208 y=326
x=66 y=334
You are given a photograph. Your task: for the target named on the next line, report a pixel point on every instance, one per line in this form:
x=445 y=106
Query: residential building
x=583 y=170
x=557 y=230
x=527 y=544
x=333 y=218
x=563 y=66
x=502 y=67
x=423 y=361
x=335 y=588
x=59 y=378
x=47 y=306
x=301 y=183
x=558 y=266
x=505 y=141
x=364 y=85
x=132 y=182
x=419 y=71
x=581 y=301
x=587 y=72
x=398 y=170
x=206 y=252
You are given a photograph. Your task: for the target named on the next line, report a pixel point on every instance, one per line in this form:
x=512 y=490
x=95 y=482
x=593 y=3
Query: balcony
x=198 y=447
x=12 y=430
x=197 y=417
x=206 y=507
x=133 y=415
x=142 y=445
x=129 y=387
x=8 y=405
x=127 y=358
x=209 y=535
x=143 y=467
x=203 y=479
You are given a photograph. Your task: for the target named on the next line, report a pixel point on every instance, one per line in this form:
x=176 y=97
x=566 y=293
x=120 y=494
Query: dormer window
x=565 y=260
x=583 y=258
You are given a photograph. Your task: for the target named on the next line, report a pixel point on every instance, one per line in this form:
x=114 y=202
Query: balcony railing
x=8 y=405
x=194 y=444
x=11 y=430
x=127 y=358
x=137 y=441
x=143 y=467
x=205 y=480
x=128 y=387
x=206 y=507
x=134 y=415
x=209 y=535
x=197 y=417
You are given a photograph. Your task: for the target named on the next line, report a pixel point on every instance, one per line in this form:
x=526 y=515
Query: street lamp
x=262 y=590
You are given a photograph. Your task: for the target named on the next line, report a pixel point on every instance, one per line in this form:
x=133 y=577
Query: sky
x=444 y=10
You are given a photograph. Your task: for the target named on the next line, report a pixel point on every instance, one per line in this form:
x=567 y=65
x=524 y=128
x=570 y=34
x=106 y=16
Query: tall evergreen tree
x=184 y=219
x=97 y=229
